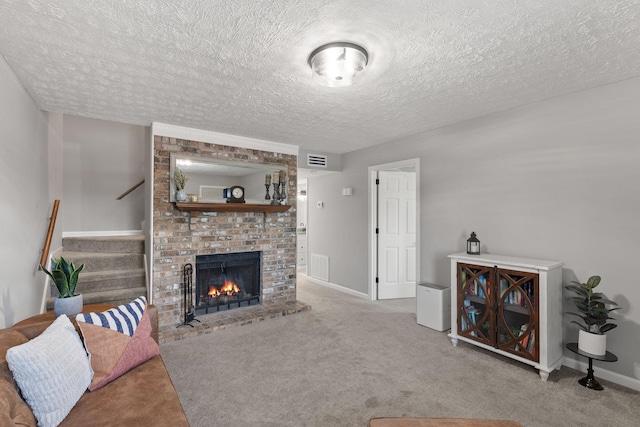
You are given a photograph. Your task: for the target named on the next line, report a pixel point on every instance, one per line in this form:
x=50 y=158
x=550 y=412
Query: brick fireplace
x=179 y=237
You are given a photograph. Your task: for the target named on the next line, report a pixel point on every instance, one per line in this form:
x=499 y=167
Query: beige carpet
x=349 y=359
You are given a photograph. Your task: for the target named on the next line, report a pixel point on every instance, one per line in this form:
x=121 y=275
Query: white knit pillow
x=52 y=371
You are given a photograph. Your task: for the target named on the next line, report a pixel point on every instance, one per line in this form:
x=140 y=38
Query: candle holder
x=267 y=196
x=276 y=196
x=283 y=194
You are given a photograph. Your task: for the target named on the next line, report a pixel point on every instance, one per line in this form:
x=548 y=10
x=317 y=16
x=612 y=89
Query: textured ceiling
x=240 y=67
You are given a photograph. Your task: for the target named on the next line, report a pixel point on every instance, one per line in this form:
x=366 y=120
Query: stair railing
x=130 y=190
x=47 y=240
x=45 y=251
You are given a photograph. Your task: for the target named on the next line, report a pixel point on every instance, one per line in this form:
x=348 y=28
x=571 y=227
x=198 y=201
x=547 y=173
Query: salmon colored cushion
x=117 y=340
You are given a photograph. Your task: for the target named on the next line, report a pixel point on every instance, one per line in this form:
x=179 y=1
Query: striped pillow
x=117 y=340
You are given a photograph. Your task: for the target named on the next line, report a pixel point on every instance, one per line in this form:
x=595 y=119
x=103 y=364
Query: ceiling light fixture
x=338 y=64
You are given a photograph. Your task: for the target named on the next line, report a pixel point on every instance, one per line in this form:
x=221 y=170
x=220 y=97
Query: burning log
x=223 y=294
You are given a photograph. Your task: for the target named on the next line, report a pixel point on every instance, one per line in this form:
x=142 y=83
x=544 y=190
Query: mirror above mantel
x=208 y=177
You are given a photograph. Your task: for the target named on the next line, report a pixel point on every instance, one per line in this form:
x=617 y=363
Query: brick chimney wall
x=175 y=245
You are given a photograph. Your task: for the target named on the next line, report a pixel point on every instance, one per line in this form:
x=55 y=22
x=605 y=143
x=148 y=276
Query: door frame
x=373 y=219
x=302 y=200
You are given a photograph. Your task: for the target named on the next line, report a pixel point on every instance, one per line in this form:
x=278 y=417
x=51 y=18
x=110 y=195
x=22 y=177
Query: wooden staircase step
x=114 y=270
x=110 y=280
x=100 y=261
x=122 y=244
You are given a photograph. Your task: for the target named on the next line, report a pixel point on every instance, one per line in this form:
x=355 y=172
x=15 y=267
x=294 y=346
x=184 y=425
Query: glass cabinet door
x=475 y=302
x=517 y=322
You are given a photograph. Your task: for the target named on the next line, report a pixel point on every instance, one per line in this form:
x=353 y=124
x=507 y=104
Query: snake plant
x=65 y=276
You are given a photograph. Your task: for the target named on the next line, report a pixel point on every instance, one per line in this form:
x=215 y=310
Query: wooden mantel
x=230 y=207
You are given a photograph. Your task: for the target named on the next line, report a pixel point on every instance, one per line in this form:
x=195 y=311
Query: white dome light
x=338 y=64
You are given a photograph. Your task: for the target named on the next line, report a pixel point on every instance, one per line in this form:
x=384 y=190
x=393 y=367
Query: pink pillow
x=117 y=340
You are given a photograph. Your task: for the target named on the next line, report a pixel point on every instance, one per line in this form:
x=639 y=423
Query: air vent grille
x=317 y=160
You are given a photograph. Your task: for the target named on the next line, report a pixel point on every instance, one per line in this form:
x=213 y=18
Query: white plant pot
x=592 y=343
x=181 y=196
x=69 y=306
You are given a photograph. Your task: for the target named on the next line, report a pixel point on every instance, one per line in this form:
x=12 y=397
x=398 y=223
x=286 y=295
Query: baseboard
x=604 y=374
x=336 y=287
x=101 y=233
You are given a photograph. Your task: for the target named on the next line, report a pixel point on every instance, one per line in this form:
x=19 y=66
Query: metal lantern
x=473 y=244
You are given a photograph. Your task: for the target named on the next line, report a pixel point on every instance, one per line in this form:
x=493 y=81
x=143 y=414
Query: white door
x=397 y=234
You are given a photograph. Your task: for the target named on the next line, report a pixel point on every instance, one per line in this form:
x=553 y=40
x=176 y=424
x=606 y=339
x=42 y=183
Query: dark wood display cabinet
x=512 y=306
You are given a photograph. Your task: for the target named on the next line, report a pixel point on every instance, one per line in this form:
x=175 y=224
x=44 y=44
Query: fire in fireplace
x=229 y=289
x=227 y=281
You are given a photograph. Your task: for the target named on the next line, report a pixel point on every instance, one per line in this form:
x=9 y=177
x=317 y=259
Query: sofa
x=142 y=396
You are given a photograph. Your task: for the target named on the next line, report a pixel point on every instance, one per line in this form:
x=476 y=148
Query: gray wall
x=102 y=160
x=339 y=228
x=29 y=187
x=555 y=180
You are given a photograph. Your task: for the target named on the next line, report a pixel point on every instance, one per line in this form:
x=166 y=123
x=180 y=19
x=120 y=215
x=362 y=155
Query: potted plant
x=594 y=309
x=65 y=276
x=180 y=180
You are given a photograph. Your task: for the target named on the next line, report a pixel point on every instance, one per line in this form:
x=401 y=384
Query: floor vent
x=320 y=267
x=317 y=160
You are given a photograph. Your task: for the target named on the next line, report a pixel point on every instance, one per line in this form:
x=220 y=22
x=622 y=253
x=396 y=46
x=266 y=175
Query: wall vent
x=320 y=267
x=317 y=160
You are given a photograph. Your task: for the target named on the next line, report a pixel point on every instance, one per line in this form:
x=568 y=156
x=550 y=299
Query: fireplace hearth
x=227 y=281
